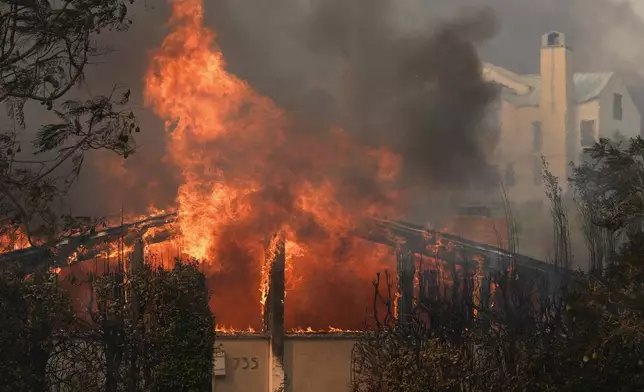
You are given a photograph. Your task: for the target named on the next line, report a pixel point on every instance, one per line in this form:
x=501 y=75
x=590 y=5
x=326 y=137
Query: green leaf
x=51 y=136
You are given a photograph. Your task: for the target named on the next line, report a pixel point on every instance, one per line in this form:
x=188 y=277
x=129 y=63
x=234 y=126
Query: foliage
x=578 y=332
x=426 y=352
x=45 y=48
x=614 y=183
x=144 y=330
x=401 y=365
x=34 y=329
x=561 y=232
x=179 y=328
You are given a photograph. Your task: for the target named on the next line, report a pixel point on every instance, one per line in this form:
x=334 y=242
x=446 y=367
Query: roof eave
x=587 y=100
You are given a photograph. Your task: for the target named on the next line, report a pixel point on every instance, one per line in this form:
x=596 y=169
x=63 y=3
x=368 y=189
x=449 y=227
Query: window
x=510 y=177
x=587 y=133
x=536 y=170
x=617 y=107
x=537 y=136
x=553 y=39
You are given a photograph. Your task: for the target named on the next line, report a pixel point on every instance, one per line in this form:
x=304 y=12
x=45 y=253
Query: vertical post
x=486 y=292
x=274 y=317
x=406 y=273
x=137 y=256
x=481 y=284
x=134 y=267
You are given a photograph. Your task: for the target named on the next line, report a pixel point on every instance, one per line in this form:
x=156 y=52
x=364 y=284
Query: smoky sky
x=421 y=95
x=400 y=73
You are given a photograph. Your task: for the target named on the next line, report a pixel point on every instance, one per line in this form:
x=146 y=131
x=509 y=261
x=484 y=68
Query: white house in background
x=555 y=114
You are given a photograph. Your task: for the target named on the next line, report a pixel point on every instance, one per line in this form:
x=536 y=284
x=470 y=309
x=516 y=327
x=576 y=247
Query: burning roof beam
x=91 y=244
x=392 y=233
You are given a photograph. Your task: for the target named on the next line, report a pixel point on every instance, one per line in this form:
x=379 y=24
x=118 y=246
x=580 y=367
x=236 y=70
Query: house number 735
x=245 y=363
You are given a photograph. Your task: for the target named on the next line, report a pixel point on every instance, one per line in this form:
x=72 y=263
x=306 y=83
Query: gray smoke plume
x=272 y=45
x=401 y=72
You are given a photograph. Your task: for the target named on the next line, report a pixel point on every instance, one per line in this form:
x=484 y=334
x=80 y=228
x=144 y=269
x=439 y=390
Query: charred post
x=135 y=265
x=274 y=313
x=485 y=282
x=481 y=285
x=137 y=256
x=275 y=300
x=406 y=274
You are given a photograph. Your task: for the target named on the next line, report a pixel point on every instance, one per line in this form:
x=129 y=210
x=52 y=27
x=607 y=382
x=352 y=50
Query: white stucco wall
x=312 y=363
x=629 y=126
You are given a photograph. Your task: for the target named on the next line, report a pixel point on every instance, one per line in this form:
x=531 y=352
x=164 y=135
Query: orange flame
x=115 y=250
x=224 y=330
x=329 y=329
x=247 y=174
x=14 y=240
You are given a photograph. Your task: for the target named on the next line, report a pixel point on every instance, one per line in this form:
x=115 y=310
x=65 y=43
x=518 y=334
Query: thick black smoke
x=355 y=63
x=420 y=94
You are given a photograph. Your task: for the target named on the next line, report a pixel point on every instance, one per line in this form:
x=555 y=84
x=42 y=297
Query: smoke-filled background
x=404 y=73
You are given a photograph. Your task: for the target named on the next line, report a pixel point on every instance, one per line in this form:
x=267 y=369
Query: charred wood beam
x=92 y=243
x=392 y=233
x=132 y=239
x=423 y=241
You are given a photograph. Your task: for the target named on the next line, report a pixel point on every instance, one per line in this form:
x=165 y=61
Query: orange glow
x=15 y=240
x=222 y=329
x=116 y=250
x=330 y=329
x=225 y=330
x=248 y=173
x=55 y=270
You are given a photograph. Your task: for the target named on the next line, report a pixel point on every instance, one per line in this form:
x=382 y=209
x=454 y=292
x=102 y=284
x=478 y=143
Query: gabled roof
x=588 y=86
x=525 y=90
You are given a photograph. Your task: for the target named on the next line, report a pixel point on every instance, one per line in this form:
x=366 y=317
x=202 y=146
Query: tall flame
x=248 y=173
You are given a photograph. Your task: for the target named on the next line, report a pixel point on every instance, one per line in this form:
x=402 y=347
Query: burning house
x=290 y=220
x=307 y=359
